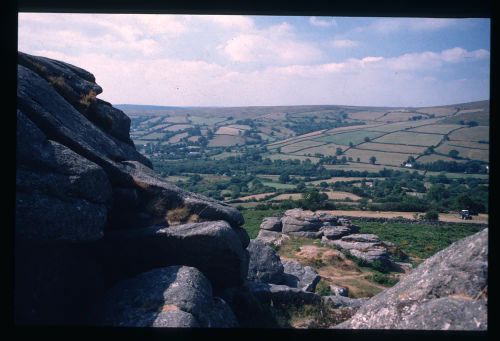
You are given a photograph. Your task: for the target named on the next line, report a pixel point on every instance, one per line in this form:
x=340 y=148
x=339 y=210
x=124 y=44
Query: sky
x=232 y=60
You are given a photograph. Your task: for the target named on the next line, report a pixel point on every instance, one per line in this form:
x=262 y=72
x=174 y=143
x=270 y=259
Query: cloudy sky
x=269 y=60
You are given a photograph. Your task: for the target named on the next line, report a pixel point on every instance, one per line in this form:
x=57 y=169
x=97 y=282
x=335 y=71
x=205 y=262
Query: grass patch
x=418 y=240
x=253 y=219
x=323 y=288
x=383 y=279
x=291 y=246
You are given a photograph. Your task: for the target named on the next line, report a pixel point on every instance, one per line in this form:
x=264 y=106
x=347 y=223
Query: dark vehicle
x=465 y=215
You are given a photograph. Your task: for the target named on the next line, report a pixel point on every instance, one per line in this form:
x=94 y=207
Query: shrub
x=431 y=215
x=323 y=289
x=383 y=279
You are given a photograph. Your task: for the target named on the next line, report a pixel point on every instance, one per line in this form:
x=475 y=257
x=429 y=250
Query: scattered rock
x=446 y=291
x=299 y=276
x=271 y=224
x=265 y=264
x=176 y=296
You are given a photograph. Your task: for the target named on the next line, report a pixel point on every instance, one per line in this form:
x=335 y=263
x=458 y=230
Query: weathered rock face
x=176 y=296
x=212 y=247
x=266 y=292
x=51 y=179
x=337 y=232
x=271 y=237
x=298 y=220
x=271 y=224
x=364 y=246
x=299 y=276
x=447 y=291
x=265 y=264
x=83 y=193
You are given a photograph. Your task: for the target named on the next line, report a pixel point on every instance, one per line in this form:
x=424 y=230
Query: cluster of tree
x=472 y=167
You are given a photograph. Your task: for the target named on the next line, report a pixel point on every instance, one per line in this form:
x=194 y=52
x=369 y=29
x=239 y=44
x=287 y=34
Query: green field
x=290 y=148
x=325 y=149
x=385 y=147
x=471 y=134
x=278 y=185
x=383 y=158
x=419 y=241
x=437 y=129
x=407 y=138
x=355 y=137
x=473 y=154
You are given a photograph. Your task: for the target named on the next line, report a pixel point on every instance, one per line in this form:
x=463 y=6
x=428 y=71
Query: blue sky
x=269 y=60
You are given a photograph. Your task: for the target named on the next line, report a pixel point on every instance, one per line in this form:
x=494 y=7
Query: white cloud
x=322 y=22
x=116 y=34
x=344 y=43
x=231 y=22
x=277 y=44
x=411 y=24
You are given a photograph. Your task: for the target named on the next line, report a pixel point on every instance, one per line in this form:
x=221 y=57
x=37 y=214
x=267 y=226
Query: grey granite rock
x=176 y=296
x=299 y=276
x=265 y=264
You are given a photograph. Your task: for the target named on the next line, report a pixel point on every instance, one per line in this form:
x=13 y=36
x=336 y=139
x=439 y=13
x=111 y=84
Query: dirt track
x=446 y=217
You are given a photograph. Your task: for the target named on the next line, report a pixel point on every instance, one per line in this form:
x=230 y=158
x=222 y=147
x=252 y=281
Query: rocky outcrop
x=176 y=296
x=265 y=264
x=90 y=211
x=212 y=247
x=281 y=294
x=448 y=291
x=271 y=237
x=298 y=220
x=299 y=276
x=367 y=247
x=337 y=232
x=271 y=224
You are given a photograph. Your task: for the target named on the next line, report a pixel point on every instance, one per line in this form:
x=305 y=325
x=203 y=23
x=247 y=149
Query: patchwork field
x=469 y=144
x=437 y=129
x=438 y=111
x=354 y=137
x=469 y=153
x=407 y=138
x=383 y=158
x=226 y=141
x=397 y=148
x=396 y=116
x=471 y=134
x=290 y=148
x=177 y=127
x=325 y=149
x=315 y=132
x=291 y=157
x=366 y=115
x=436 y=157
x=178 y=137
